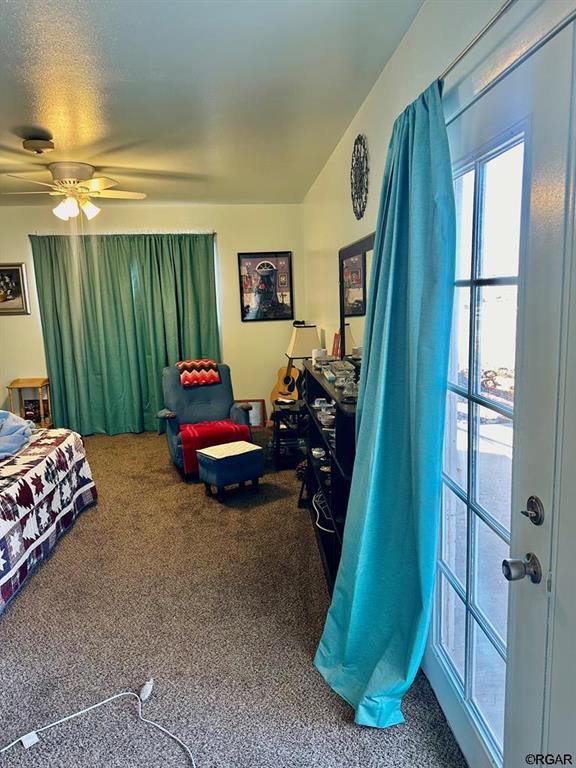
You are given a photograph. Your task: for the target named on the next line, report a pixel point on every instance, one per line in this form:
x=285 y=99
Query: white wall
x=439 y=32
x=254 y=350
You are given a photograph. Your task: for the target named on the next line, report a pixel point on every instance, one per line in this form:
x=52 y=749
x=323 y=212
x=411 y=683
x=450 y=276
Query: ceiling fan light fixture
x=67 y=209
x=89 y=209
x=77 y=184
x=72 y=207
x=61 y=211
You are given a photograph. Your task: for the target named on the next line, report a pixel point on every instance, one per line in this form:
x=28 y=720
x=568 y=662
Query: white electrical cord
x=29 y=739
x=318 y=501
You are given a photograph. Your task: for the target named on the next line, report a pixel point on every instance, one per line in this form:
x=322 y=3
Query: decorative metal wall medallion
x=359 y=171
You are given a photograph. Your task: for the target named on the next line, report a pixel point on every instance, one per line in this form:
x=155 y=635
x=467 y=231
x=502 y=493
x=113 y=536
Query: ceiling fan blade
x=103 y=148
x=31 y=193
x=18 y=169
x=145 y=173
x=30 y=181
x=119 y=194
x=6 y=150
x=97 y=184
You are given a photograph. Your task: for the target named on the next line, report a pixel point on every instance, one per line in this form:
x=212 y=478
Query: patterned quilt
x=43 y=489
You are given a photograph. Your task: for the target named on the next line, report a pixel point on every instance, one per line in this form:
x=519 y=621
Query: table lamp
x=303 y=340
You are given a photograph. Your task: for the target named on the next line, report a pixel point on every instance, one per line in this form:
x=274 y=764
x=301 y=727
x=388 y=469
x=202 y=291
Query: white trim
x=564 y=408
x=465 y=730
x=539 y=43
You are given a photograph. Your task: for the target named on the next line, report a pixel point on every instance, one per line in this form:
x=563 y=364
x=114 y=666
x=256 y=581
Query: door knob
x=514 y=569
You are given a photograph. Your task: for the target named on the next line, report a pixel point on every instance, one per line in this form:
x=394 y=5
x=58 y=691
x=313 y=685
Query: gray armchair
x=192 y=405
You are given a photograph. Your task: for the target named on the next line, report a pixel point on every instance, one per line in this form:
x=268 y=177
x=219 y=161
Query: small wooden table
x=39 y=384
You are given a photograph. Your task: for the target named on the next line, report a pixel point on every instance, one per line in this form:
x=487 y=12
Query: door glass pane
x=456 y=439
x=502 y=205
x=497 y=307
x=494 y=463
x=464 y=196
x=454 y=525
x=452 y=625
x=488 y=682
x=490 y=586
x=478 y=440
x=459 y=352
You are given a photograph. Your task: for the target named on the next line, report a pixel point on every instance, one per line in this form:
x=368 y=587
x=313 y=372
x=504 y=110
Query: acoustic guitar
x=286 y=387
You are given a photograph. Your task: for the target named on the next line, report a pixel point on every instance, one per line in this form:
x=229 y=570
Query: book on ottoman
x=229 y=463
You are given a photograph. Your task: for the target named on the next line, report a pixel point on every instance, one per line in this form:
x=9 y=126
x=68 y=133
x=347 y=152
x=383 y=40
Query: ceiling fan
x=78 y=185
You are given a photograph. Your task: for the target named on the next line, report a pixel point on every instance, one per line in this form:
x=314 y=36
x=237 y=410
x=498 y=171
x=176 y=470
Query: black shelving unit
x=289 y=425
x=331 y=475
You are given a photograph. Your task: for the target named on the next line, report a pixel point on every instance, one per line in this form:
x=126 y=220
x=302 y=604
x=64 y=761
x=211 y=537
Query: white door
x=489 y=641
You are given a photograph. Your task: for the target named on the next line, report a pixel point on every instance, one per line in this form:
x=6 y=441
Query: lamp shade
x=61 y=211
x=89 y=209
x=72 y=207
x=67 y=209
x=303 y=340
x=349 y=340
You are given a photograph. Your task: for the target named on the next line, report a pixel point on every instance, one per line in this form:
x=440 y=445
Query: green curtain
x=115 y=310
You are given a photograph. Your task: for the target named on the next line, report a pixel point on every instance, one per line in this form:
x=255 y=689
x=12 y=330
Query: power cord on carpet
x=29 y=739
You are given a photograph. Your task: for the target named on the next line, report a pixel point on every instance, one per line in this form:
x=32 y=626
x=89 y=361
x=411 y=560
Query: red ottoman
x=204 y=435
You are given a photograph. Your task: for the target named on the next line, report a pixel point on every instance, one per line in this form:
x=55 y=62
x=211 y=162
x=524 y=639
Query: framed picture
x=353 y=277
x=266 y=286
x=353 y=262
x=257 y=415
x=13 y=290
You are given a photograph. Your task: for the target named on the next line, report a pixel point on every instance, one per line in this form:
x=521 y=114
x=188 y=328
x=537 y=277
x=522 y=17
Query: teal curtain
x=377 y=624
x=115 y=310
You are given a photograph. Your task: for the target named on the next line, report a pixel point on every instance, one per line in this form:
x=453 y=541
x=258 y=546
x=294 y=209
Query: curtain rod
x=550 y=35
x=131 y=232
x=497 y=16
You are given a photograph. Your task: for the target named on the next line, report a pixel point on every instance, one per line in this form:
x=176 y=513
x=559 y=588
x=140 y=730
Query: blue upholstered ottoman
x=230 y=463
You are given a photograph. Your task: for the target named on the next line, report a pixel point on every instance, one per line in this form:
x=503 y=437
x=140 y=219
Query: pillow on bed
x=15 y=433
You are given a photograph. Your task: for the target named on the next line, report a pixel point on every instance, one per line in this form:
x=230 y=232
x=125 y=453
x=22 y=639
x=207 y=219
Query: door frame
x=439 y=672
x=436 y=664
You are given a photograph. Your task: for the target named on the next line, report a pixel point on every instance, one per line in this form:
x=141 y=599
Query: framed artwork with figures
x=13 y=290
x=354 y=285
x=266 y=286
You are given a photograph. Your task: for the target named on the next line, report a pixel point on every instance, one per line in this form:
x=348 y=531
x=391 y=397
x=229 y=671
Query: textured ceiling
x=210 y=101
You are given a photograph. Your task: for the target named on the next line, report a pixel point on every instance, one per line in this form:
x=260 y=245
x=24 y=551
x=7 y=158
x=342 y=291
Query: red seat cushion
x=205 y=434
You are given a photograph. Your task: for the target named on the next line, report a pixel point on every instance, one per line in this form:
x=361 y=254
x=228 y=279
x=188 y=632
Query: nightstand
x=41 y=385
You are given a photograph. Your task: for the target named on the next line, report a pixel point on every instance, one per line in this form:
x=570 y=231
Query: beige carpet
x=222 y=604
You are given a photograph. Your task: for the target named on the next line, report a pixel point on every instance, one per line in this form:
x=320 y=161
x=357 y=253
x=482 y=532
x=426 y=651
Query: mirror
x=354 y=264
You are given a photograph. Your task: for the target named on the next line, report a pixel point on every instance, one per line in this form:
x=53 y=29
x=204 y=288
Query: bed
x=43 y=489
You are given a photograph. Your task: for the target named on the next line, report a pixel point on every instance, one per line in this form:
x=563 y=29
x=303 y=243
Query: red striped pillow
x=198 y=373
